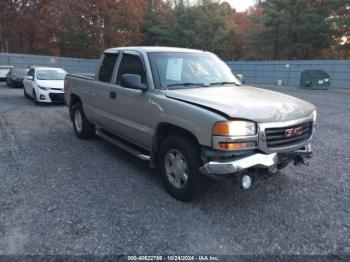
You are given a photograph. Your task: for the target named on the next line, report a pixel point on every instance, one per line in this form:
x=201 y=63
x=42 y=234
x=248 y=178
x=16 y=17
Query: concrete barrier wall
x=268 y=72
x=71 y=65
x=255 y=72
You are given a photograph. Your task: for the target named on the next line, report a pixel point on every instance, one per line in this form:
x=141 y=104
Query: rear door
x=103 y=93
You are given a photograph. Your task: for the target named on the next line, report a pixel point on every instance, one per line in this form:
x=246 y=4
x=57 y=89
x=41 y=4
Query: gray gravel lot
x=62 y=195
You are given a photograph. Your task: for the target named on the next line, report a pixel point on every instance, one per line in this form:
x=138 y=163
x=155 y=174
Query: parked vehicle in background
x=3 y=72
x=315 y=79
x=45 y=84
x=185 y=112
x=15 y=76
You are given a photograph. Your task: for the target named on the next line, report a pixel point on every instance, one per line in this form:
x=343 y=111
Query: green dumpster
x=315 y=79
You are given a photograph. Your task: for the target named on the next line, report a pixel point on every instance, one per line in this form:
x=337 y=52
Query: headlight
x=43 y=88
x=234 y=128
x=314 y=116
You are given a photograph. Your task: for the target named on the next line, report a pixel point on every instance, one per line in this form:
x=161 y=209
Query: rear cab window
x=107 y=67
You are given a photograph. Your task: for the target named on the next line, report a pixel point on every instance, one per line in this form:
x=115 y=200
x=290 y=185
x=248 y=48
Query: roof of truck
x=150 y=49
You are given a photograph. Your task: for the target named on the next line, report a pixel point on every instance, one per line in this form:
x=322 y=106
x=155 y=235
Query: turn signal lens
x=222 y=129
x=234 y=128
x=43 y=88
x=237 y=146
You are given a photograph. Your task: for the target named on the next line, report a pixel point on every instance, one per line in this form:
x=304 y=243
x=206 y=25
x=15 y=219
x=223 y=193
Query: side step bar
x=119 y=143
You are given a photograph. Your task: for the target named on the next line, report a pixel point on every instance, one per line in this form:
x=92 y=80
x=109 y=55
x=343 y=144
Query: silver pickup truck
x=186 y=113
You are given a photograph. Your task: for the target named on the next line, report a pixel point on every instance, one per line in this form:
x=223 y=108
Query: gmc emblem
x=290 y=132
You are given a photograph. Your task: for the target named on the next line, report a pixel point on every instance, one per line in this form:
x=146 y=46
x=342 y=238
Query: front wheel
x=25 y=93
x=179 y=162
x=82 y=127
x=35 y=99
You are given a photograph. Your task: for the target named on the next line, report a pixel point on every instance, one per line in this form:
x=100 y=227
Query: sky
x=240 y=5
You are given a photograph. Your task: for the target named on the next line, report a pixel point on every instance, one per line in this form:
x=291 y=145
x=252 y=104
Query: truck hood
x=246 y=102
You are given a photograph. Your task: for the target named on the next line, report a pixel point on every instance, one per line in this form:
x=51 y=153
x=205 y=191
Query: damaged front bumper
x=258 y=160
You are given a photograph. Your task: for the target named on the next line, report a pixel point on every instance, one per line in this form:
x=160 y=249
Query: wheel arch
x=74 y=99
x=164 y=130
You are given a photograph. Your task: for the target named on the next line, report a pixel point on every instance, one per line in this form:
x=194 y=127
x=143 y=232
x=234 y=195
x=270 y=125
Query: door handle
x=112 y=95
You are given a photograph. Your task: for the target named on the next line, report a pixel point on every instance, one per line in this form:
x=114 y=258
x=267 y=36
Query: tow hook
x=272 y=170
x=305 y=153
x=299 y=160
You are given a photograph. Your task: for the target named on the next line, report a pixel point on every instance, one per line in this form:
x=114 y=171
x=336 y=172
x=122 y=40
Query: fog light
x=237 y=146
x=246 y=181
x=42 y=97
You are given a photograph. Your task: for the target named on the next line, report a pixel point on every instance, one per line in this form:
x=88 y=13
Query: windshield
x=50 y=74
x=189 y=70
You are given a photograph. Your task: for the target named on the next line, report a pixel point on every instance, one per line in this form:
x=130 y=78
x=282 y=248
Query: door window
x=107 y=67
x=131 y=64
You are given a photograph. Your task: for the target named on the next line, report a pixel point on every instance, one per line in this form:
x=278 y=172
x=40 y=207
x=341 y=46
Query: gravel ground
x=62 y=195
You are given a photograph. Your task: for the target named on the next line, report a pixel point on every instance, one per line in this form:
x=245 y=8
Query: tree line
x=271 y=29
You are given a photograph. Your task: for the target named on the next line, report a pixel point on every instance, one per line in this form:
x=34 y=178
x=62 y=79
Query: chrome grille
x=276 y=137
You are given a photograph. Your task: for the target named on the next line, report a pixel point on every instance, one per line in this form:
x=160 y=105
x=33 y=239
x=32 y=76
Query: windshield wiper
x=188 y=84
x=224 y=83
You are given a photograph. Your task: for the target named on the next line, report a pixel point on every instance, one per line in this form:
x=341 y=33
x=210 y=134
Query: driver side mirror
x=30 y=78
x=133 y=81
x=240 y=78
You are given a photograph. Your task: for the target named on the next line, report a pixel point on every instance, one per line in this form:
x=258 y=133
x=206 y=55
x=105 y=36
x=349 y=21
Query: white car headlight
x=234 y=128
x=44 y=88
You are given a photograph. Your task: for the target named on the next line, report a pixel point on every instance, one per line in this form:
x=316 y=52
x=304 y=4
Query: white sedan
x=3 y=72
x=45 y=84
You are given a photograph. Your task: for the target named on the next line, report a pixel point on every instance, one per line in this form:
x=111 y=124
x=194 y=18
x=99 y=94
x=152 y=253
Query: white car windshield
x=50 y=74
x=190 y=70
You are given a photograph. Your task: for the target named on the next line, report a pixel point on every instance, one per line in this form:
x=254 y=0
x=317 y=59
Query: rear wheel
x=82 y=127
x=179 y=162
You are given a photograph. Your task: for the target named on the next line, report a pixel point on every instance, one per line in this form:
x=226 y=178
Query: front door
x=28 y=82
x=133 y=107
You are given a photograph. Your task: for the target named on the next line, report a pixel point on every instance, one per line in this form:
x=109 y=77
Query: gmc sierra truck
x=186 y=113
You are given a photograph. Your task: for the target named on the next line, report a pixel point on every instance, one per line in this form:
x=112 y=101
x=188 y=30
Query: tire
x=25 y=93
x=35 y=99
x=180 y=155
x=82 y=127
